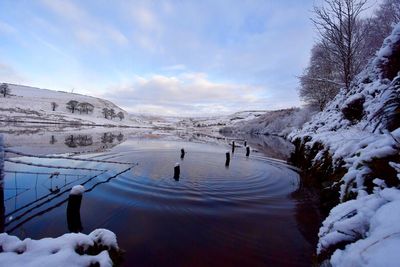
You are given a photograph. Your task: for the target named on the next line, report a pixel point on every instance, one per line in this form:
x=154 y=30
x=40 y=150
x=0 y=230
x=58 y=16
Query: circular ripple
x=206 y=185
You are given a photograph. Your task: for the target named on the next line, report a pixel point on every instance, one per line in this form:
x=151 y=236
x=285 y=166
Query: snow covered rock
x=67 y=250
x=369 y=225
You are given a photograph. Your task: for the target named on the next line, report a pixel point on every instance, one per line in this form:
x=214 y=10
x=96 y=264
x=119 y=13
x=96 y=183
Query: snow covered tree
x=319 y=83
x=342 y=35
x=72 y=105
x=120 y=115
x=5 y=90
x=111 y=113
x=105 y=112
x=54 y=105
x=85 y=107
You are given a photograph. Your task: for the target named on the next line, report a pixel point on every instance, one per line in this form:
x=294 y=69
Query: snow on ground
x=215 y=123
x=34 y=104
x=60 y=251
x=375 y=219
x=277 y=122
x=357 y=129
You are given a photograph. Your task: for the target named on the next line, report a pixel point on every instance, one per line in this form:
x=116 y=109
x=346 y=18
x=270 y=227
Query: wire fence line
x=52 y=166
x=64 y=157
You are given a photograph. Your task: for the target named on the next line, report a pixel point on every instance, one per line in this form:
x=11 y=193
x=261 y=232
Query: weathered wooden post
x=245 y=143
x=182 y=153
x=177 y=171
x=247 y=151
x=228 y=159
x=74 y=209
x=233 y=147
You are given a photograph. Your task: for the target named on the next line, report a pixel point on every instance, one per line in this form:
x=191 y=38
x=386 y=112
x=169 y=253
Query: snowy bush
x=67 y=250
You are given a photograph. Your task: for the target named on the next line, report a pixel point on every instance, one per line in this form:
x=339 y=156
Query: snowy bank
x=74 y=249
x=352 y=150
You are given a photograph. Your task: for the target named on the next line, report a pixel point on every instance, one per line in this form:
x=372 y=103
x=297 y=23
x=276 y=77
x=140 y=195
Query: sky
x=171 y=57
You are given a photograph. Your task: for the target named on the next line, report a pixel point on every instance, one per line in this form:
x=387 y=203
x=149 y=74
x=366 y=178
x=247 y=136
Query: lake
x=249 y=213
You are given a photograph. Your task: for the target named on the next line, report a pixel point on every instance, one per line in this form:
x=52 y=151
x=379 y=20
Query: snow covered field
x=30 y=104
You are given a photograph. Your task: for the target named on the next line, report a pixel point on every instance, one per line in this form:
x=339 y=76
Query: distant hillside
x=32 y=104
x=277 y=122
x=217 y=122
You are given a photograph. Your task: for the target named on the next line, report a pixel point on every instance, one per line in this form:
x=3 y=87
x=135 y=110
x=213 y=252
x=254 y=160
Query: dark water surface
x=247 y=214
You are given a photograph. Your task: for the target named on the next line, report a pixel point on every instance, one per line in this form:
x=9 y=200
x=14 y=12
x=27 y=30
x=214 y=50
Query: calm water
x=247 y=214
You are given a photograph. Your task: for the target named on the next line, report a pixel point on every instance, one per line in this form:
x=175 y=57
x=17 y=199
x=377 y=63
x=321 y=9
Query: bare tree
x=380 y=25
x=72 y=105
x=339 y=25
x=111 y=113
x=319 y=82
x=85 y=107
x=54 y=105
x=105 y=112
x=5 y=89
x=120 y=115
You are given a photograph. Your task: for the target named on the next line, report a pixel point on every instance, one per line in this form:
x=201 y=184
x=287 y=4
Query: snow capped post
x=73 y=209
x=247 y=151
x=233 y=147
x=177 y=171
x=182 y=153
x=228 y=159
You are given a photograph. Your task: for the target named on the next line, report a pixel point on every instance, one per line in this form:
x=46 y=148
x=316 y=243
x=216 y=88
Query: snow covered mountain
x=30 y=104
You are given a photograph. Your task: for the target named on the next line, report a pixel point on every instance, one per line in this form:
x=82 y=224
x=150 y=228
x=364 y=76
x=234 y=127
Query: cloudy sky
x=177 y=57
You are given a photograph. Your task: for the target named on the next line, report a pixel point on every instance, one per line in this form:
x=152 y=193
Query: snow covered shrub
x=99 y=248
x=353 y=109
x=390 y=65
x=389 y=113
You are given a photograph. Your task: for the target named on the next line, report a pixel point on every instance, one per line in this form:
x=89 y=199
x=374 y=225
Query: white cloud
x=7 y=28
x=10 y=75
x=88 y=30
x=185 y=94
x=176 y=67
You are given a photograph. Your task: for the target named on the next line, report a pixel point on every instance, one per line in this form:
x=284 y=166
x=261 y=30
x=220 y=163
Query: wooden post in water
x=182 y=153
x=247 y=151
x=228 y=159
x=233 y=147
x=245 y=143
x=177 y=171
x=74 y=209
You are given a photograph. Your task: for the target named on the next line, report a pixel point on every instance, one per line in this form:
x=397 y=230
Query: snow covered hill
x=276 y=122
x=352 y=150
x=35 y=105
x=215 y=123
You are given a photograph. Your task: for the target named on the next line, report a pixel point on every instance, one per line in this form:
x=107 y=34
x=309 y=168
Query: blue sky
x=163 y=57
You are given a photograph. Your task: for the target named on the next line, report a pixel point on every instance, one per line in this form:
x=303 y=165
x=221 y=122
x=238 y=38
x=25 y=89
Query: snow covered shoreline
x=353 y=148
x=72 y=250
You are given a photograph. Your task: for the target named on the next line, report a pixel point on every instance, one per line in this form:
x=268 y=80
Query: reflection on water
x=79 y=140
x=272 y=146
x=244 y=215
